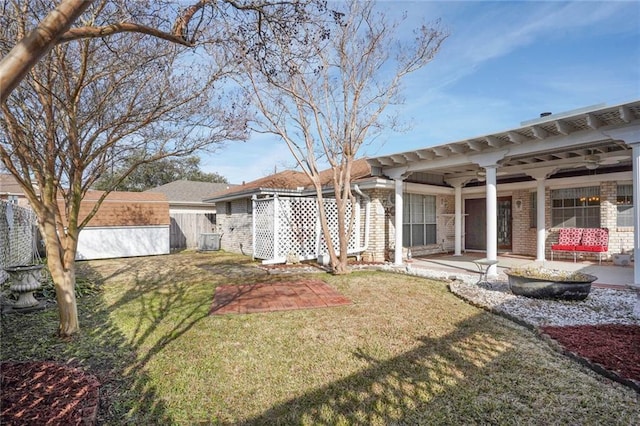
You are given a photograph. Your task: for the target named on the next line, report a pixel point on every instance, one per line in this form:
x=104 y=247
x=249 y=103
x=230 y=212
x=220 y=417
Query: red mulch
x=47 y=393
x=268 y=297
x=615 y=347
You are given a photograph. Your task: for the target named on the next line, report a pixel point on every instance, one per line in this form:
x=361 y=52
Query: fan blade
x=613 y=160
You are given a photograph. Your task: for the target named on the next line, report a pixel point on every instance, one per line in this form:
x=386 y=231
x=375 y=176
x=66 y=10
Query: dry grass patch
x=405 y=351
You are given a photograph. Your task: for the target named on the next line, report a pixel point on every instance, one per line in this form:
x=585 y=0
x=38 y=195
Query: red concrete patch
x=263 y=297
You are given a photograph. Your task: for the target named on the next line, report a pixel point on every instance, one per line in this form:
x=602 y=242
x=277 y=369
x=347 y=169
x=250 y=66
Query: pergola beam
x=516 y=138
x=564 y=127
x=539 y=132
x=594 y=122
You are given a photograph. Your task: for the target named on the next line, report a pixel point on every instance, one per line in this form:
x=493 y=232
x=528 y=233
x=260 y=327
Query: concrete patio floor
x=609 y=275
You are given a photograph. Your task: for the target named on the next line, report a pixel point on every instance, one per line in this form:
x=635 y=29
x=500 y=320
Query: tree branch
x=121 y=27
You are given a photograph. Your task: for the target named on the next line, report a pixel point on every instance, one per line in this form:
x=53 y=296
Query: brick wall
x=237 y=227
x=523 y=235
x=619 y=237
x=446 y=227
x=379 y=225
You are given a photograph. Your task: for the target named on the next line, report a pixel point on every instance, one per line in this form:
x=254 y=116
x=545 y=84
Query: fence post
x=254 y=217
x=276 y=226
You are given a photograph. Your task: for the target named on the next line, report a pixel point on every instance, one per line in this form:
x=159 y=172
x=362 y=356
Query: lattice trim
x=286 y=225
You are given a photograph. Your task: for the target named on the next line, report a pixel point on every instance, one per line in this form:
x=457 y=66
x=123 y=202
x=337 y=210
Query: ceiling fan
x=593 y=161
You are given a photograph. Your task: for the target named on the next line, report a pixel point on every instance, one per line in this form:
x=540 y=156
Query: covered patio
x=609 y=275
x=550 y=150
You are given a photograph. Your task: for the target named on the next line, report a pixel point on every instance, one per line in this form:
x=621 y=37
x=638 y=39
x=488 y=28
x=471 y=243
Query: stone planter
x=574 y=287
x=24 y=281
x=622 y=259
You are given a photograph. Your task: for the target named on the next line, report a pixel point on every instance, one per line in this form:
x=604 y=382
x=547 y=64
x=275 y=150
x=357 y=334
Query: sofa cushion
x=594 y=240
x=569 y=236
x=594 y=249
x=563 y=247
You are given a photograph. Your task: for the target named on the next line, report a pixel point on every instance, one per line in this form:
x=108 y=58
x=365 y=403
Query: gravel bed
x=602 y=306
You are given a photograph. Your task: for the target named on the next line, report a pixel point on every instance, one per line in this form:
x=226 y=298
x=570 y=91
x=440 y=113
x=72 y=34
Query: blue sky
x=503 y=63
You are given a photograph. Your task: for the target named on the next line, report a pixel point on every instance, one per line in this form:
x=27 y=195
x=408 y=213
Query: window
x=419 y=220
x=249 y=206
x=624 y=202
x=227 y=208
x=211 y=217
x=13 y=199
x=575 y=207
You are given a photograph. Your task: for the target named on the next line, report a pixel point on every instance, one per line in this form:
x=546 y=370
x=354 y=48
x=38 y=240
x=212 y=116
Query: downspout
x=367 y=211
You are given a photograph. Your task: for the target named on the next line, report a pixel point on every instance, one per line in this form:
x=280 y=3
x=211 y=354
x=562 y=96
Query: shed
x=127 y=224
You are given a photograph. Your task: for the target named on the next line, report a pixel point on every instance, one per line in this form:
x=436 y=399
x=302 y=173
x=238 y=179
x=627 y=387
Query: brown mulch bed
x=47 y=393
x=613 y=347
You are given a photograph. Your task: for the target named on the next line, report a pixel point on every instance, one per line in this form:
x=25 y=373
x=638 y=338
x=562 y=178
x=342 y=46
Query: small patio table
x=483 y=267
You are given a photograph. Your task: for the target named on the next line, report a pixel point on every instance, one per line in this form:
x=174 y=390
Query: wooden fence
x=187 y=227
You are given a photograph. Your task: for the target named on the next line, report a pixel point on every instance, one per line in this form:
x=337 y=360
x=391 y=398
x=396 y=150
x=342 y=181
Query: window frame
x=624 y=205
x=423 y=222
x=576 y=207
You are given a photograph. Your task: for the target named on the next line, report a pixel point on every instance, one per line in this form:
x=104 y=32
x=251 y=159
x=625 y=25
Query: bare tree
x=328 y=99
x=76 y=99
x=164 y=19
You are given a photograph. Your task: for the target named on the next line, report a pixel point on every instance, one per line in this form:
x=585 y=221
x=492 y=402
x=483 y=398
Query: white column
x=635 y=160
x=457 y=184
x=540 y=175
x=398 y=219
x=540 y=224
x=492 y=219
x=458 y=220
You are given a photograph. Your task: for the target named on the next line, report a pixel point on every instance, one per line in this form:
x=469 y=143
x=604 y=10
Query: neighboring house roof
x=189 y=192
x=9 y=185
x=125 y=209
x=288 y=182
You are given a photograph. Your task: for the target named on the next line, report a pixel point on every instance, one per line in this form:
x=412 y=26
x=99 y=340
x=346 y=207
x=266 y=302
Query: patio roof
x=579 y=139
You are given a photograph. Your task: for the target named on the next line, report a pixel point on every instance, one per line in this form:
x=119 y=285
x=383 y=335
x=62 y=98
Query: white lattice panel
x=332 y=219
x=298 y=220
x=285 y=225
x=263 y=234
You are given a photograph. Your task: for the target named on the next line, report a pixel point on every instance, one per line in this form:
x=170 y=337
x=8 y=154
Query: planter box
x=543 y=288
x=622 y=259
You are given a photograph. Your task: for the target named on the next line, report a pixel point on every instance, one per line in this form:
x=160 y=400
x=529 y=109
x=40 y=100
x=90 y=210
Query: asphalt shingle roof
x=291 y=180
x=187 y=191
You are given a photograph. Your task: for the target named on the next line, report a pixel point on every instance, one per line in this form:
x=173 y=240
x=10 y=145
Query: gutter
x=367 y=216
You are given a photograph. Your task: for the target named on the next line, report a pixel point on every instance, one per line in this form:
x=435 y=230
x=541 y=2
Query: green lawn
x=406 y=351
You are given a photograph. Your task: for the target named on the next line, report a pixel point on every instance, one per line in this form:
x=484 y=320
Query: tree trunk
x=61 y=263
x=65 y=282
x=341 y=267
